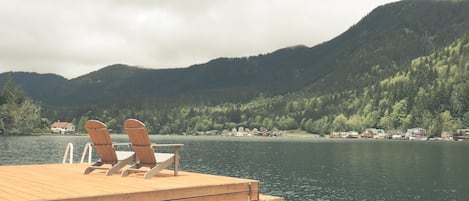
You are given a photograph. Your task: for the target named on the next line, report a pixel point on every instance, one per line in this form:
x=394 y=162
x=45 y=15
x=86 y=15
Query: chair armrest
x=176 y=154
x=121 y=144
x=176 y=147
x=167 y=145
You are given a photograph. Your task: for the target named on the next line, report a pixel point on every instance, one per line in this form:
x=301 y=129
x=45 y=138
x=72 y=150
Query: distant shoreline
x=294 y=134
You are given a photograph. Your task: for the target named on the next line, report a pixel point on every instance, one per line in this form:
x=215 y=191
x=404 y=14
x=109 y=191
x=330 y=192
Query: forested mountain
x=385 y=71
x=34 y=84
x=430 y=93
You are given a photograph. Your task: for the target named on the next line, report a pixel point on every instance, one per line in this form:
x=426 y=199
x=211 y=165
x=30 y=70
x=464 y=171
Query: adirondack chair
x=148 y=162
x=101 y=141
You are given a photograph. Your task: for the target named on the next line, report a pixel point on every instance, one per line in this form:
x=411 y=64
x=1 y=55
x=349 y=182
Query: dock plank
x=269 y=198
x=67 y=182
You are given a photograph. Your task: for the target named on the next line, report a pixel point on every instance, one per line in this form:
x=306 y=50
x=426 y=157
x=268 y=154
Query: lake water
x=299 y=169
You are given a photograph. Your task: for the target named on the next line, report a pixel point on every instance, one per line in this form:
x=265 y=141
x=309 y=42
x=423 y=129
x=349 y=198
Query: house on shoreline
x=416 y=134
x=62 y=127
x=374 y=133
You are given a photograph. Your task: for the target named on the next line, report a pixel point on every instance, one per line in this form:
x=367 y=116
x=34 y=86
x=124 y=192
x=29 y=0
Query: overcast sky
x=74 y=37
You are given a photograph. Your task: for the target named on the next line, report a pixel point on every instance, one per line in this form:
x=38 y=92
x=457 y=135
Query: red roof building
x=62 y=127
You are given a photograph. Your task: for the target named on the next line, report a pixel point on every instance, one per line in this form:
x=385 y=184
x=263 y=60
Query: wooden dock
x=67 y=182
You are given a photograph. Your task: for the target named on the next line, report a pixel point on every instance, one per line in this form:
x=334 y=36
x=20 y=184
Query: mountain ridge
x=384 y=41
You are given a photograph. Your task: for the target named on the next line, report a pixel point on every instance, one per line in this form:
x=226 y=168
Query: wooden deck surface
x=67 y=182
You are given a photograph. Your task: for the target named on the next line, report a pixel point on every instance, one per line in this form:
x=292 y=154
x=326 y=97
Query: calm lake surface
x=299 y=169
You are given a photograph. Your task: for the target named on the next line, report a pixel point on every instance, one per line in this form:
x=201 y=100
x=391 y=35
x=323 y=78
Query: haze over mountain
x=71 y=38
x=385 y=40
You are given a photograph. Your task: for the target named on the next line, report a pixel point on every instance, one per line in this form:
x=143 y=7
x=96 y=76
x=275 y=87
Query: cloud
x=72 y=38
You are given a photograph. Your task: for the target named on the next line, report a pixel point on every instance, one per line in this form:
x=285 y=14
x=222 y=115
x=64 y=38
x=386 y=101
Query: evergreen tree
x=19 y=115
x=12 y=92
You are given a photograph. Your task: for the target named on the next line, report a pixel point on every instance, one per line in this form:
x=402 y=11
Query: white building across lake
x=62 y=127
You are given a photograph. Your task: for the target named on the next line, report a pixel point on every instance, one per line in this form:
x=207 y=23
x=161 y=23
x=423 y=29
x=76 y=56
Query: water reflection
x=299 y=169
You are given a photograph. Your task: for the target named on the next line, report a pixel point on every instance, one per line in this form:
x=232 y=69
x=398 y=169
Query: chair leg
x=158 y=168
x=131 y=169
x=93 y=167
x=115 y=168
x=125 y=173
x=176 y=163
x=88 y=170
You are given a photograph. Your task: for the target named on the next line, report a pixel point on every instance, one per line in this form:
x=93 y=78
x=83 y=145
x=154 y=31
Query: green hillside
x=401 y=66
x=430 y=93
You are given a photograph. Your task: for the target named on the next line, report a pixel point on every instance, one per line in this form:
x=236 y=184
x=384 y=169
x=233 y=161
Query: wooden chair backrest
x=140 y=141
x=101 y=140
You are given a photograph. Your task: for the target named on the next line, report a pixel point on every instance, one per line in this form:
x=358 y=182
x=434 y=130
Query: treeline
x=167 y=119
x=18 y=114
x=431 y=92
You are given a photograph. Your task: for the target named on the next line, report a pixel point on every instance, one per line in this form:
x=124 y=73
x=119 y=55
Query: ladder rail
x=68 y=154
x=88 y=148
